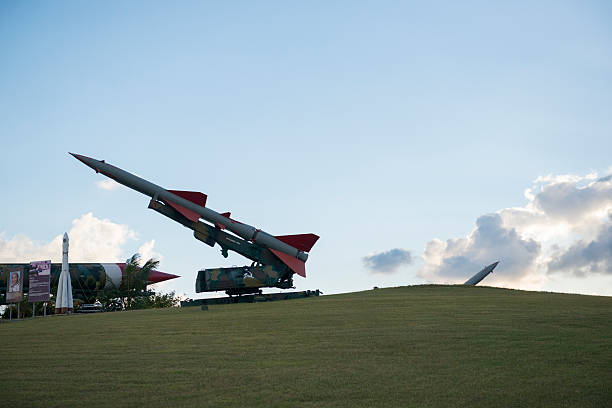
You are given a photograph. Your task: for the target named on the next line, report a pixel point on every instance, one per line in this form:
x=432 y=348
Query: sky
x=420 y=140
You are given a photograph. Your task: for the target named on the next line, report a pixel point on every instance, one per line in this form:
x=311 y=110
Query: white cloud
x=96 y=240
x=21 y=249
x=457 y=259
x=146 y=251
x=564 y=178
x=91 y=240
x=564 y=228
x=569 y=202
x=585 y=257
x=107 y=184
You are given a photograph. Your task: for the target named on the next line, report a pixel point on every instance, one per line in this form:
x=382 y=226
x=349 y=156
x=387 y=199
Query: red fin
x=303 y=242
x=194 y=196
x=187 y=213
x=294 y=264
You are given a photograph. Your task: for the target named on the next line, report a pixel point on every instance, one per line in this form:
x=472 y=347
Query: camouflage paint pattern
x=246 y=279
x=87 y=279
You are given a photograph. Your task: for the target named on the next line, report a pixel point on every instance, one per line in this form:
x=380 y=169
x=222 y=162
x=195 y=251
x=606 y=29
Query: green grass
x=423 y=346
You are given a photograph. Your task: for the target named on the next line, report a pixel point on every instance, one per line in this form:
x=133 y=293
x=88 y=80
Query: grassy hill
x=423 y=346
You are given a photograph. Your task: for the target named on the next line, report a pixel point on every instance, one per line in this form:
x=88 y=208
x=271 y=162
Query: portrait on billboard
x=14 y=292
x=15 y=282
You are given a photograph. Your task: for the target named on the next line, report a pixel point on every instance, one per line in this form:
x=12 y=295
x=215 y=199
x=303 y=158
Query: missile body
x=291 y=249
x=86 y=277
x=474 y=280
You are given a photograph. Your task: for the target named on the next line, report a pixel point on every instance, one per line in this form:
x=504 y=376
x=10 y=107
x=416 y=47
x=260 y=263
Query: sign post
x=40 y=279
x=14 y=288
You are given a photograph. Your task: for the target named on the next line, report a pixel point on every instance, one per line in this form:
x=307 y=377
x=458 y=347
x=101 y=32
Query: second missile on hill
x=483 y=273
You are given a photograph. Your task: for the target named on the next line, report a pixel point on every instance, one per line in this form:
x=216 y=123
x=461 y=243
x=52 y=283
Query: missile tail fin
x=187 y=213
x=193 y=196
x=294 y=264
x=303 y=242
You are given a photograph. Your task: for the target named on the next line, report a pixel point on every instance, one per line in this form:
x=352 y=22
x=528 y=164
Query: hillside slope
x=426 y=346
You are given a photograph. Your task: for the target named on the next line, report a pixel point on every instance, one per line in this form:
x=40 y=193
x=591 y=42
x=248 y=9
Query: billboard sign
x=14 y=292
x=40 y=278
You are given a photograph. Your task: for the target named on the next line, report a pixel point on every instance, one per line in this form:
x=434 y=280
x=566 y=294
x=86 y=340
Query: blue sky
x=376 y=125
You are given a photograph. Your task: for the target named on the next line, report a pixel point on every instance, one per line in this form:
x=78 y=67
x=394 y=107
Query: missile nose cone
x=88 y=161
x=157 y=276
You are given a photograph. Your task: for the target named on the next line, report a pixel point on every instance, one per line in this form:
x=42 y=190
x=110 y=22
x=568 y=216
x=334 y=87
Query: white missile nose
x=88 y=161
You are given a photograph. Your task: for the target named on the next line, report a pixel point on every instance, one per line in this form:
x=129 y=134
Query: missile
x=86 y=279
x=290 y=249
x=474 y=280
x=103 y=274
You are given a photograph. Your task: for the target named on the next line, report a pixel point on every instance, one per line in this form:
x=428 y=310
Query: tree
x=135 y=279
x=155 y=301
x=133 y=293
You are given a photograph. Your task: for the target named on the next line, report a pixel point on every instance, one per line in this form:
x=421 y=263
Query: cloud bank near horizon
x=91 y=240
x=565 y=229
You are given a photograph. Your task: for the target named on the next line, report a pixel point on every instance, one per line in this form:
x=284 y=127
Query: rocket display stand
x=275 y=258
x=267 y=297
